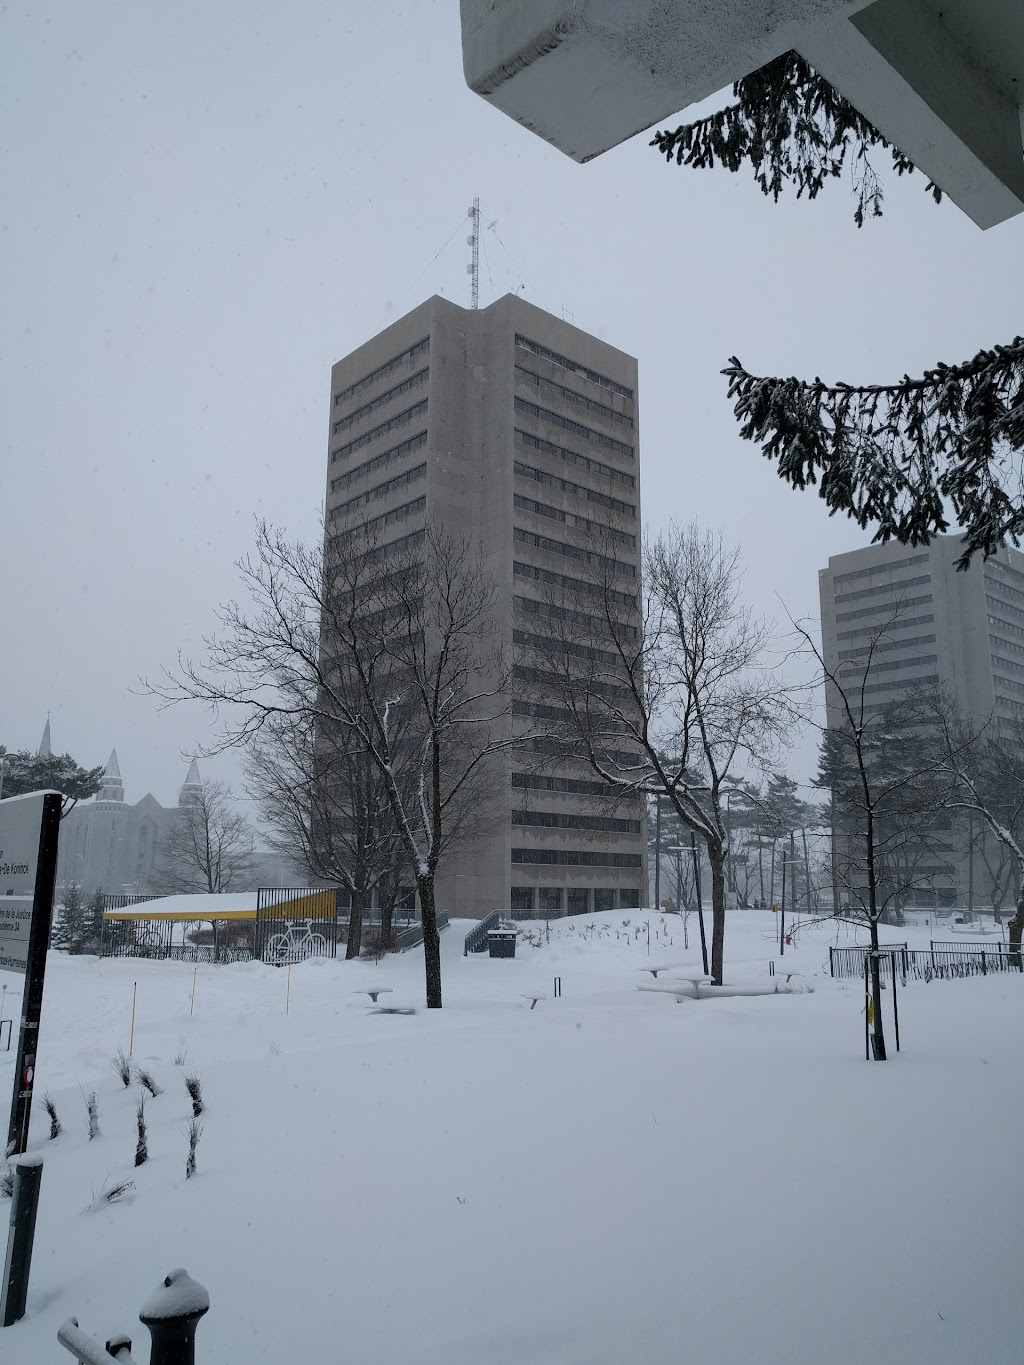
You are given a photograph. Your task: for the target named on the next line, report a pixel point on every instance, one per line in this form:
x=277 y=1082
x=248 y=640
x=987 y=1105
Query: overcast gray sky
x=204 y=206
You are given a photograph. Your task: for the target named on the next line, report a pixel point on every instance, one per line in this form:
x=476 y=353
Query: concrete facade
x=942 y=79
x=504 y=423
x=963 y=632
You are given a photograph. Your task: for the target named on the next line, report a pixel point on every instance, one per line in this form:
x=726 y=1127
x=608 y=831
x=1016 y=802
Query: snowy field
x=611 y=1178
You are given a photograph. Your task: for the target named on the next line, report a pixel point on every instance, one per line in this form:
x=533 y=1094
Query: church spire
x=44 y=744
x=111 y=786
x=192 y=787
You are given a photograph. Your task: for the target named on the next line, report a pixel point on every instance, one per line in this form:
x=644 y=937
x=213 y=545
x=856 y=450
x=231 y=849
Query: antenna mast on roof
x=473 y=240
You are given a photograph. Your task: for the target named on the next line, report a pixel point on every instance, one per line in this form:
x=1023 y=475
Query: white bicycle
x=295 y=944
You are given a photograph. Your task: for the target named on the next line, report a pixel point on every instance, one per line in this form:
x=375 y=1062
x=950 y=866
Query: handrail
x=476 y=939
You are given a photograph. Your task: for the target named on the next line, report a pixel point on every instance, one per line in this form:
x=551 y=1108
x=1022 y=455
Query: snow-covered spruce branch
x=793 y=128
x=898 y=454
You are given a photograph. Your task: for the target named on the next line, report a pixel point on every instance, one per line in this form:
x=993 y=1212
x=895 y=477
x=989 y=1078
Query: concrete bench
x=374 y=991
x=533 y=997
x=394 y=1009
x=682 y=990
x=685 y=967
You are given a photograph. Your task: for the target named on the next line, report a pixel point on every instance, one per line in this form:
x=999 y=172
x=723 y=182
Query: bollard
x=28 y=1173
x=171 y=1313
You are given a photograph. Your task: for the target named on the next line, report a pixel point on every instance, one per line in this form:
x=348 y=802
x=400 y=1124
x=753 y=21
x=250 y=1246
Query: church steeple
x=111 y=786
x=192 y=787
x=44 y=744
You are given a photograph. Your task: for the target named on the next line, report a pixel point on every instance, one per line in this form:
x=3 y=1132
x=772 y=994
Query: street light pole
x=700 y=902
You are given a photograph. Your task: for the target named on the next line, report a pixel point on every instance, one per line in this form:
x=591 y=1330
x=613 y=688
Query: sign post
x=29 y=830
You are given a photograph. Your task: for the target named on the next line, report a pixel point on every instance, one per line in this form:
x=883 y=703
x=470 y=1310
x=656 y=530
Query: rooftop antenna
x=473 y=240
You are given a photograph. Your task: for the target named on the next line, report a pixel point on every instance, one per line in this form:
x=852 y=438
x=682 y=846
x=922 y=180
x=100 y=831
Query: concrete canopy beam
x=587 y=74
x=942 y=79
x=905 y=72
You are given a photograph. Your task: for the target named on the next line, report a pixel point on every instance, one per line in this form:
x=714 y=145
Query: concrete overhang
x=941 y=79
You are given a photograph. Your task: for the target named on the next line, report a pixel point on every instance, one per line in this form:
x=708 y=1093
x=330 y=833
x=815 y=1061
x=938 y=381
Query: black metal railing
x=923 y=964
x=409 y=938
x=128 y=898
x=174 y=940
x=476 y=939
x=293 y=923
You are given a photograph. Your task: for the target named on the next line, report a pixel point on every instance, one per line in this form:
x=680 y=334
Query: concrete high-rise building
x=962 y=632
x=520 y=432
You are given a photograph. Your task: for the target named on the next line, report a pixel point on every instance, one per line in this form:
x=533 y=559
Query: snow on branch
x=794 y=129
x=900 y=454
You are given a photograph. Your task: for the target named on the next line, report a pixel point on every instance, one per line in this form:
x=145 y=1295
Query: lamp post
x=700 y=902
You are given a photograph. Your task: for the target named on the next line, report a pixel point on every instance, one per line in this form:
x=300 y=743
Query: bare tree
x=887 y=790
x=209 y=845
x=682 y=704
x=320 y=796
x=397 y=645
x=986 y=769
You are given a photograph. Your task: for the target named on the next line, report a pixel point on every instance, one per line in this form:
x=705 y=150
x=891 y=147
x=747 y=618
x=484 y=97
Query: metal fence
x=157 y=939
x=293 y=923
x=476 y=939
x=122 y=902
x=923 y=964
x=409 y=938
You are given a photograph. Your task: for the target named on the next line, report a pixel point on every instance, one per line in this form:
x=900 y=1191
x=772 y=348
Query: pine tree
x=70 y=922
x=92 y=935
x=24 y=771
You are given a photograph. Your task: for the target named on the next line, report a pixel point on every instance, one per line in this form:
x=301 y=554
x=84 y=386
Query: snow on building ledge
x=942 y=79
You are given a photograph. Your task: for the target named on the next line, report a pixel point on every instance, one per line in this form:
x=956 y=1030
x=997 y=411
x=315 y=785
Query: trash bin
x=501 y=942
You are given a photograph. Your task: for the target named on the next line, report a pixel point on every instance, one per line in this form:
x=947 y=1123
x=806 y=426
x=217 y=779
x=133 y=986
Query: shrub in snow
x=195 y=1132
x=195 y=1090
x=92 y=1110
x=146 y=1079
x=141 y=1150
x=110 y=1192
x=180 y=1055
x=51 y=1110
x=7 y=1182
x=123 y=1067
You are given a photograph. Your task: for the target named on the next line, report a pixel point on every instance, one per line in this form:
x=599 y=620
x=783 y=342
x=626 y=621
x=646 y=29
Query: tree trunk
x=431 y=940
x=355 y=925
x=717 y=914
x=877 y=1030
x=387 y=911
x=1016 y=925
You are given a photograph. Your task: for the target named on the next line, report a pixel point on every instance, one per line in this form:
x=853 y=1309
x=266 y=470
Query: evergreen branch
x=900 y=454
x=793 y=127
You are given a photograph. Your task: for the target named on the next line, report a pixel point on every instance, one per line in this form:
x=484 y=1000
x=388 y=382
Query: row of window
x=999 y=567
x=571 y=396
x=564 y=363
x=400 y=419
x=381 y=490
x=574 y=857
x=556 y=748
x=904 y=623
x=388 y=396
x=386 y=457
x=525 y=438
x=883 y=608
x=1008 y=663
x=408 y=509
x=578 y=786
x=544 y=678
x=382 y=371
x=534 y=608
x=544 y=509
x=1003 y=606
x=545 y=644
x=919 y=662
x=883 y=588
x=888 y=644
x=567 y=424
x=527 y=471
x=560 y=547
x=1007 y=683
x=903 y=684
x=1000 y=624
x=575 y=585
x=577 y=899
x=891 y=567
x=1000 y=586
x=543 y=819
x=397 y=548
x=538 y=710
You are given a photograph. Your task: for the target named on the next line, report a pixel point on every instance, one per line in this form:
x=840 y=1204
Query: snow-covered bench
x=682 y=989
x=394 y=1008
x=533 y=997
x=685 y=967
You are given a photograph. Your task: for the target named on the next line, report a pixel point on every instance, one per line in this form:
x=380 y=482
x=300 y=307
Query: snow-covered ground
x=611 y=1178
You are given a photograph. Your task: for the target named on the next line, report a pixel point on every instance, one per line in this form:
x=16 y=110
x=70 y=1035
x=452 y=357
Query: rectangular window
x=548 y=609
x=400 y=419
x=522 y=898
x=578 y=900
x=386 y=457
x=560 y=547
x=526 y=471
x=532 y=410
x=408 y=509
x=549 y=898
x=863 y=632
x=891 y=567
x=564 y=363
x=629 y=899
x=542 y=819
x=382 y=371
x=575 y=427
x=881 y=608
x=539 y=575
x=603 y=899
x=536 y=782
x=880 y=588
x=382 y=399
x=543 y=509
x=538 y=382
x=382 y=490
x=574 y=857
